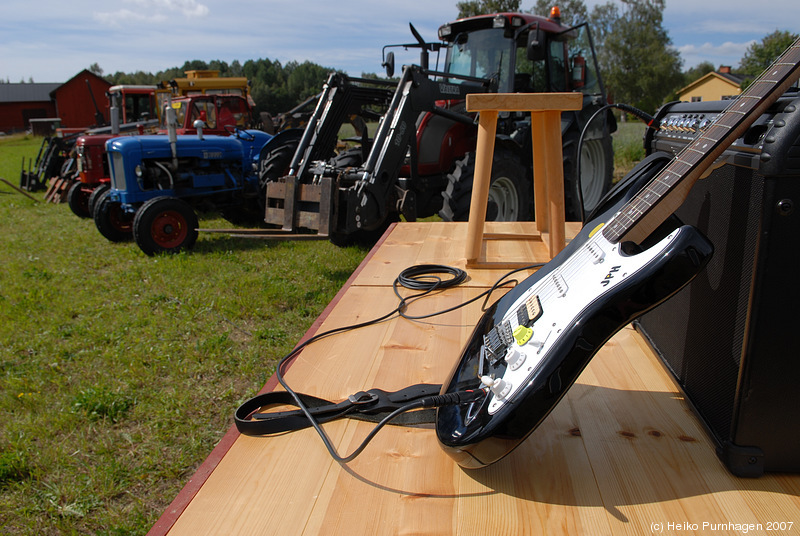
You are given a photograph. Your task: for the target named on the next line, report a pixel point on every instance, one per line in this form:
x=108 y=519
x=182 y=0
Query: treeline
x=274 y=87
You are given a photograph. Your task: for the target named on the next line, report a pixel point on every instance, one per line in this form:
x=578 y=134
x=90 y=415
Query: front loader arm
x=416 y=93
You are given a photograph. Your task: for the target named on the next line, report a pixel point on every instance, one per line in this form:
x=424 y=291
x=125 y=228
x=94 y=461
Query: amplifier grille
x=699 y=333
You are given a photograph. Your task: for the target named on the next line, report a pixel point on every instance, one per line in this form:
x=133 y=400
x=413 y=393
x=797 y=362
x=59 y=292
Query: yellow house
x=713 y=86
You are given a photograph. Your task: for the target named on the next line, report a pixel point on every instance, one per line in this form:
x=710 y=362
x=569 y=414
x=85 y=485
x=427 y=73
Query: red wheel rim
x=169 y=229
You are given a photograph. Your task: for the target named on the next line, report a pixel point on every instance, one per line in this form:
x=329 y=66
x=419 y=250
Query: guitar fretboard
x=695 y=158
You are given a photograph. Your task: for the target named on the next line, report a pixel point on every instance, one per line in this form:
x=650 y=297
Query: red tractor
x=420 y=161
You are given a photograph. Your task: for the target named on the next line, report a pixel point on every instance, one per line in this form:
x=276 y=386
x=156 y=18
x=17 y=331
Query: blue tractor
x=159 y=181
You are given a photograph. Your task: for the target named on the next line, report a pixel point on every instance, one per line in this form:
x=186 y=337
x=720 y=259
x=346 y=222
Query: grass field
x=120 y=372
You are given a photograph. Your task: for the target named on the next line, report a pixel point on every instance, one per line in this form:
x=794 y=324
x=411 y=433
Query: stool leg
x=540 y=194
x=555 y=182
x=484 y=153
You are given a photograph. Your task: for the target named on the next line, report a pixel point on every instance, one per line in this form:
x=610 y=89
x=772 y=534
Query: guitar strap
x=372 y=405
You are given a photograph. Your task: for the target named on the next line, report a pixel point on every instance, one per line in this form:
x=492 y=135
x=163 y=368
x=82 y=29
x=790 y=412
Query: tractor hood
x=209 y=147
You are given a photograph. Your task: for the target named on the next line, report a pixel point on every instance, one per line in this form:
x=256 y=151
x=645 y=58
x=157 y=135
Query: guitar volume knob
x=515 y=359
x=498 y=386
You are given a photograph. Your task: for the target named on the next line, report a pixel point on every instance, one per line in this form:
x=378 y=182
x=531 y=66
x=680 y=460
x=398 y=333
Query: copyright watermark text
x=743 y=528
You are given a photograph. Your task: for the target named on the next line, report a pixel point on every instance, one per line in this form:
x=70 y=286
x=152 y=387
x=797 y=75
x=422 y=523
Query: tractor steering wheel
x=239 y=133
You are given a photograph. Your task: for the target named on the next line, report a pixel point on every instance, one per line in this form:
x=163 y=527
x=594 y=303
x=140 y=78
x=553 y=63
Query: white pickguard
x=593 y=270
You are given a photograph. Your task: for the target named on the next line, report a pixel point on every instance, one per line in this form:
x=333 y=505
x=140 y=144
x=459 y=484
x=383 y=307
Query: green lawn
x=628 y=146
x=120 y=372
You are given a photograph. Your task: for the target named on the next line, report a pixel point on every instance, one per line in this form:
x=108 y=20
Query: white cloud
x=152 y=12
x=727 y=53
x=190 y=8
x=727 y=48
x=124 y=17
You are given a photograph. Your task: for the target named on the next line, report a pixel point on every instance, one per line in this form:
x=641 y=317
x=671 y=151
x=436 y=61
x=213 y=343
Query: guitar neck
x=667 y=191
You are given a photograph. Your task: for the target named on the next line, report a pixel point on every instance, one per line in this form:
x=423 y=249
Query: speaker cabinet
x=728 y=337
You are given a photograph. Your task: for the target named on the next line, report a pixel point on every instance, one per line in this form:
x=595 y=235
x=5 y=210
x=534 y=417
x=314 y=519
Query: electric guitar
x=530 y=346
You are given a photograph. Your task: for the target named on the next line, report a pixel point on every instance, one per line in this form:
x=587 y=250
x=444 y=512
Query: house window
x=697 y=99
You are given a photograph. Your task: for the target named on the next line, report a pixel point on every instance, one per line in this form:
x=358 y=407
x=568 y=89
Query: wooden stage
x=621 y=454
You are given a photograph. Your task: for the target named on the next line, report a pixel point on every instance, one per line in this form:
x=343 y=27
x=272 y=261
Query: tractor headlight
x=138 y=170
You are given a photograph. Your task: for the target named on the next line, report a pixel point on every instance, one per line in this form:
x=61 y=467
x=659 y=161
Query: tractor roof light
x=445 y=31
x=499 y=22
x=516 y=22
x=555 y=13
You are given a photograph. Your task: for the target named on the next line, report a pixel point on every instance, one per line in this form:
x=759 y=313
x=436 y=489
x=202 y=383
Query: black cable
x=644 y=116
x=425 y=279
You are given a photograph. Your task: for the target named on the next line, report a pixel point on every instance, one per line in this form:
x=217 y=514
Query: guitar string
x=754 y=92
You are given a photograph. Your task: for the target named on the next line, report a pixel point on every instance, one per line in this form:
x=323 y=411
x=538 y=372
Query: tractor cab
x=522 y=53
x=219 y=113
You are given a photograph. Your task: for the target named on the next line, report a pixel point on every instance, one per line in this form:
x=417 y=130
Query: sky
x=52 y=40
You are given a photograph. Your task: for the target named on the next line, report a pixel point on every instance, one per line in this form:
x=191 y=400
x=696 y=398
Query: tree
x=637 y=60
x=470 y=8
x=697 y=72
x=759 y=56
x=96 y=69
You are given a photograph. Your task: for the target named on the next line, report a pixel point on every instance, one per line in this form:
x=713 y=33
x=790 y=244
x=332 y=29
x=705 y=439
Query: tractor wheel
x=275 y=164
x=352 y=157
x=96 y=193
x=597 y=173
x=165 y=224
x=112 y=222
x=510 y=196
x=78 y=199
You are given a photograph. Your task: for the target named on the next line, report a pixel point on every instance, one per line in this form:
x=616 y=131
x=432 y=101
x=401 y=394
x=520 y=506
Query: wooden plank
x=620 y=454
x=443 y=243
x=333 y=368
x=516 y=102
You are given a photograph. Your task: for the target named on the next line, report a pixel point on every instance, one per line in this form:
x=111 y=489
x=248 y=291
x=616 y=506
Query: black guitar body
x=630 y=281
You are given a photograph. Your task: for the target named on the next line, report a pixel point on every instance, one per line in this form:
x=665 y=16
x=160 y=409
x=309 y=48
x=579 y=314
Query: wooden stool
x=548 y=170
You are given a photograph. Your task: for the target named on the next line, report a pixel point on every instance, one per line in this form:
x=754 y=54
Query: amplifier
x=728 y=336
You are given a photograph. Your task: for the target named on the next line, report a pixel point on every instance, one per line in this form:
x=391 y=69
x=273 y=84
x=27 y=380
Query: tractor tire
x=597 y=174
x=165 y=225
x=275 y=164
x=352 y=157
x=78 y=199
x=96 y=193
x=510 y=195
x=112 y=222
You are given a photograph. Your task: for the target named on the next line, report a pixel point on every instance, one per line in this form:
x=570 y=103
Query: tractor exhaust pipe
x=172 y=133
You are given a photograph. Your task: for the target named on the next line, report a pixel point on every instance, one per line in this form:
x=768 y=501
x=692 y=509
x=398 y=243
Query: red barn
x=79 y=99
x=75 y=103
x=19 y=103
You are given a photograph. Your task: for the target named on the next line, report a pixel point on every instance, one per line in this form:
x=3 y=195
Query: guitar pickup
x=595 y=252
x=529 y=311
x=560 y=284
